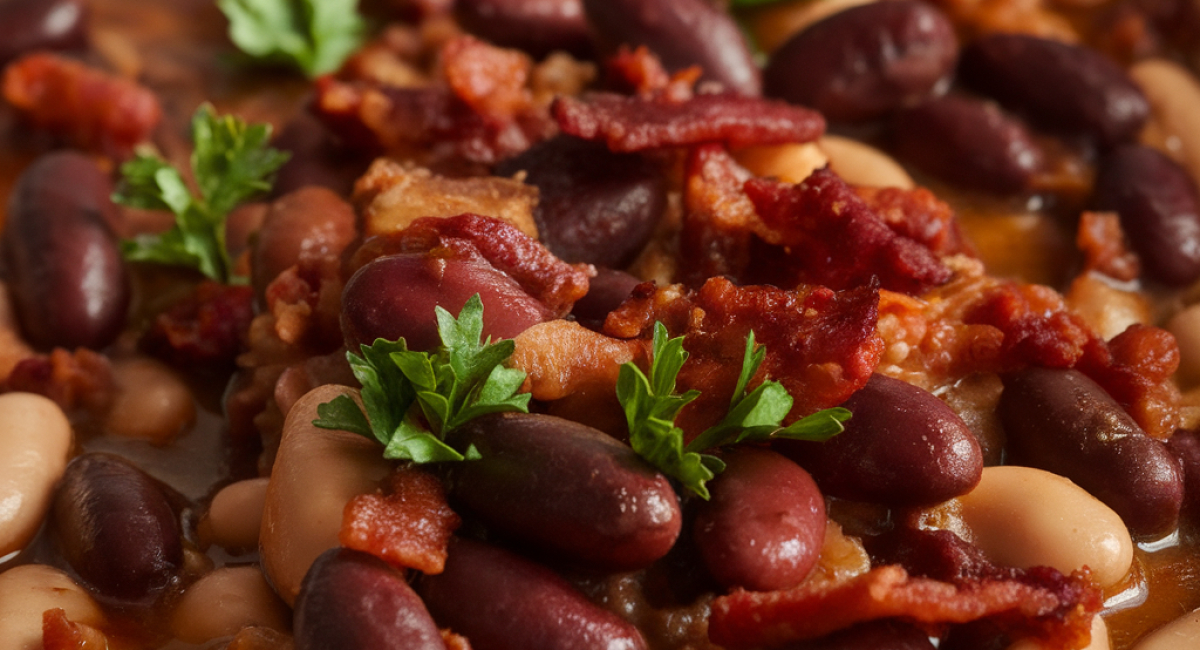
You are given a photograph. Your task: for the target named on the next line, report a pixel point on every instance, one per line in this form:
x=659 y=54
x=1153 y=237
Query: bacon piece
x=61 y=633
x=563 y=357
x=491 y=80
x=408 y=525
x=1135 y=368
x=89 y=108
x=717 y=217
x=918 y=215
x=836 y=240
x=79 y=379
x=1105 y=250
x=204 y=328
x=643 y=74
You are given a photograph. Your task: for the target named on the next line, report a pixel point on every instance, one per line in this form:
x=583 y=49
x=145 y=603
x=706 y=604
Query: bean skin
x=501 y=601
x=354 y=601
x=566 y=487
x=1063 y=422
x=866 y=61
x=1159 y=208
x=1185 y=447
x=606 y=291
x=764 y=527
x=902 y=447
x=27 y=25
x=58 y=242
x=310 y=222
x=35 y=443
x=538 y=27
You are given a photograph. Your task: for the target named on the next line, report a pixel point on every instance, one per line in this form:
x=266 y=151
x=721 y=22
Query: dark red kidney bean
x=395 y=296
x=567 y=488
x=605 y=293
x=116 y=527
x=969 y=142
x=502 y=601
x=902 y=447
x=311 y=222
x=683 y=33
x=538 y=27
x=594 y=206
x=866 y=61
x=1185 y=447
x=58 y=242
x=765 y=524
x=1059 y=86
x=1061 y=421
x=352 y=600
x=317 y=158
x=27 y=25
x=876 y=635
x=1159 y=209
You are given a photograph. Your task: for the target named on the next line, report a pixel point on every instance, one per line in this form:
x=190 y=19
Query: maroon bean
x=866 y=61
x=886 y=634
x=1059 y=86
x=764 y=527
x=683 y=33
x=395 y=296
x=902 y=447
x=567 y=488
x=1061 y=421
x=606 y=291
x=354 y=601
x=27 y=25
x=1159 y=209
x=594 y=206
x=969 y=142
x=116 y=527
x=312 y=222
x=502 y=601
x=317 y=158
x=538 y=27
x=58 y=242
x=1185 y=447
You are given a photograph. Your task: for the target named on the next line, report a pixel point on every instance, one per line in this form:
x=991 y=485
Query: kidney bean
x=866 y=61
x=764 y=527
x=355 y=601
x=902 y=447
x=27 y=25
x=885 y=634
x=566 y=487
x=501 y=601
x=57 y=242
x=27 y=591
x=1183 y=632
x=223 y=602
x=1063 y=422
x=1159 y=210
x=606 y=291
x=1185 y=448
x=395 y=296
x=34 y=443
x=317 y=158
x=312 y=222
x=1059 y=86
x=683 y=33
x=538 y=27
x=968 y=142
x=594 y=206
x=1023 y=517
x=116 y=528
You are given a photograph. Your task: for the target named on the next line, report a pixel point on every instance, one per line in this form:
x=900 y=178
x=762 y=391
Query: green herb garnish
x=315 y=36
x=230 y=162
x=413 y=399
x=651 y=405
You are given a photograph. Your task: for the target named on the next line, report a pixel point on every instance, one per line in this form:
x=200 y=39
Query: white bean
x=1186 y=327
x=1107 y=309
x=29 y=590
x=1181 y=633
x=862 y=164
x=774 y=25
x=225 y=601
x=235 y=516
x=790 y=163
x=1099 y=639
x=1174 y=94
x=35 y=439
x=1024 y=517
x=316 y=472
x=152 y=403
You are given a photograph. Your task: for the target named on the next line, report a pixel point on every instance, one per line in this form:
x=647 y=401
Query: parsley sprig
x=413 y=399
x=230 y=162
x=315 y=36
x=651 y=405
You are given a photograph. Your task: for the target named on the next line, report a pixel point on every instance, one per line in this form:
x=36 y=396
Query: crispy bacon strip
x=79 y=379
x=407 y=525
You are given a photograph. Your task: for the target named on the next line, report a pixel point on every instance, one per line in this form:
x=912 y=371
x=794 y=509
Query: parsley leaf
x=315 y=36
x=231 y=162
x=413 y=399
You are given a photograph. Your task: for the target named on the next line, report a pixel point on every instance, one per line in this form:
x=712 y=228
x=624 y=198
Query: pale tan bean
x=862 y=164
x=1181 y=633
x=1107 y=309
x=775 y=24
x=235 y=516
x=1024 y=517
x=225 y=601
x=1174 y=94
x=29 y=590
x=1099 y=640
x=1185 y=325
x=35 y=439
x=790 y=163
x=316 y=472
x=152 y=403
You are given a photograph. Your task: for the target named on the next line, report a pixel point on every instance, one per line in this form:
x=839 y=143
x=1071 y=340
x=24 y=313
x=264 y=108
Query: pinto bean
x=566 y=487
x=1183 y=632
x=58 y=242
x=235 y=516
x=34 y=443
x=902 y=447
x=117 y=529
x=223 y=602
x=27 y=25
x=395 y=296
x=765 y=525
x=152 y=402
x=310 y=222
x=538 y=27
x=1159 y=208
x=501 y=601
x=27 y=591
x=316 y=472
x=1024 y=517
x=683 y=33
x=866 y=61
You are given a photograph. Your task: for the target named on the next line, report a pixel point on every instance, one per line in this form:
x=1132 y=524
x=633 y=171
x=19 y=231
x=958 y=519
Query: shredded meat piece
x=717 y=217
x=918 y=215
x=73 y=380
x=87 y=107
x=204 y=329
x=408 y=524
x=1105 y=250
x=61 y=633
x=562 y=357
x=643 y=74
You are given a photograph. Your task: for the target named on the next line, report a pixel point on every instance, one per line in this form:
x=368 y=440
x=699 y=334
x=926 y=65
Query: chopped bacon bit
x=629 y=124
x=204 y=328
x=918 y=215
x=91 y=109
x=717 y=217
x=563 y=357
x=1102 y=241
x=1135 y=368
x=454 y=641
x=260 y=638
x=643 y=73
x=79 y=379
x=408 y=525
x=1037 y=329
x=491 y=80
x=61 y=633
x=835 y=239
x=305 y=301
